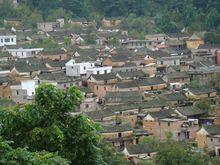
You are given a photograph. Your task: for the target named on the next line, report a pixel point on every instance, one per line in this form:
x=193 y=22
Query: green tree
x=204 y=105
x=8 y=155
x=7 y=10
x=213 y=18
x=174 y=153
x=49 y=124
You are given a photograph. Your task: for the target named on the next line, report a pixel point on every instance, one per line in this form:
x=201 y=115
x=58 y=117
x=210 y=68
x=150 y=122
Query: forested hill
x=169 y=15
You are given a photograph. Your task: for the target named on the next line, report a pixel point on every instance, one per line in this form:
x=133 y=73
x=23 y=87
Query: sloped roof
x=104 y=77
x=6 y=79
x=117 y=128
x=100 y=114
x=129 y=84
x=150 y=81
x=131 y=74
x=175 y=96
x=165 y=113
x=213 y=129
x=176 y=75
x=201 y=90
x=194 y=37
x=190 y=111
x=140 y=149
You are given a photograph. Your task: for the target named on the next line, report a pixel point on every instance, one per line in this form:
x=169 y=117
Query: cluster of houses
x=134 y=89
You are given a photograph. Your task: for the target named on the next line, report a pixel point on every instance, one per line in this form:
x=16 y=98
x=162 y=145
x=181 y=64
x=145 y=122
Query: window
x=105 y=88
x=97 y=87
x=7 y=40
x=17 y=92
x=84 y=68
x=168 y=124
x=87 y=105
x=119 y=134
x=12 y=39
x=211 y=139
x=178 y=133
x=1 y=40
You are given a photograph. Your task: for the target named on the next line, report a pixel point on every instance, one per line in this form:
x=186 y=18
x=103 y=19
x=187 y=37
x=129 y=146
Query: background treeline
x=167 y=16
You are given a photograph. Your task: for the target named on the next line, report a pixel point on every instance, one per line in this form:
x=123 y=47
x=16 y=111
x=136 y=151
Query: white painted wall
x=77 y=69
x=24 y=53
x=30 y=86
x=99 y=70
x=8 y=40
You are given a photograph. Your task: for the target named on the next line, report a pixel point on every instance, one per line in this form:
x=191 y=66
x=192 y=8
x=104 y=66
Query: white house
x=77 y=69
x=99 y=70
x=6 y=40
x=24 y=53
x=25 y=92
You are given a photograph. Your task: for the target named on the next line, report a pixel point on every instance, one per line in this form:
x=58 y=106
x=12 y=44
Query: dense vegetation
x=166 y=16
x=46 y=132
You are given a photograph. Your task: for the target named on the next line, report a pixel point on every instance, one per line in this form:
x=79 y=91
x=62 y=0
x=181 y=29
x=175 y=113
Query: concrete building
x=7 y=40
x=24 y=53
x=78 y=69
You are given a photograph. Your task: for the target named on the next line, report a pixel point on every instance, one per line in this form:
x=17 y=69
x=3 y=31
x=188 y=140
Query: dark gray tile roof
x=150 y=81
x=213 y=129
x=190 y=111
x=140 y=149
x=165 y=113
x=117 y=128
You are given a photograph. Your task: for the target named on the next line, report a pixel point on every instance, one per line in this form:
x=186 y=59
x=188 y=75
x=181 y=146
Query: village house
x=151 y=84
x=53 y=55
x=125 y=113
x=131 y=75
x=100 y=84
x=59 y=78
x=24 y=68
x=176 y=79
x=204 y=74
x=125 y=68
x=109 y=22
x=5 y=56
x=126 y=86
x=115 y=98
x=175 y=99
x=56 y=65
x=12 y=22
x=78 y=69
x=121 y=135
x=5 y=83
x=105 y=117
x=200 y=93
x=25 y=53
x=7 y=39
x=208 y=137
x=46 y=26
x=139 y=152
x=134 y=44
x=24 y=92
x=167 y=121
x=194 y=41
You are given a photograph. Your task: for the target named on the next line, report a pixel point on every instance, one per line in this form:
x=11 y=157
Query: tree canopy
x=169 y=16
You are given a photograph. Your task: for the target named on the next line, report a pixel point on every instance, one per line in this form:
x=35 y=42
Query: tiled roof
x=213 y=129
x=117 y=128
x=140 y=149
x=165 y=113
x=190 y=111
